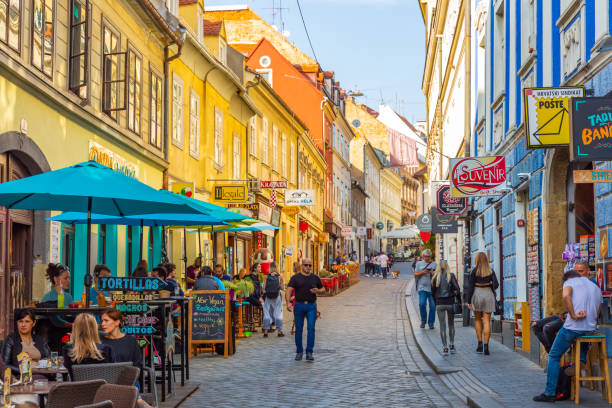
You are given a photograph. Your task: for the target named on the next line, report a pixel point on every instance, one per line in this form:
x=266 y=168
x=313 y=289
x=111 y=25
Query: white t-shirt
x=586 y=296
x=384 y=259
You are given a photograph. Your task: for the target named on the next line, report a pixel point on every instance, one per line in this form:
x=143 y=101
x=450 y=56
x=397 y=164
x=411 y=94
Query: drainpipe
x=167 y=60
x=258 y=76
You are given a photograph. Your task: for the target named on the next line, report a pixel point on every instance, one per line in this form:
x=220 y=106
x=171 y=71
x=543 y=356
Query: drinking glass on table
x=54 y=357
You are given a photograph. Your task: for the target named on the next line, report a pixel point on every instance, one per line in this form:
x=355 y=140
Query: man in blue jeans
x=422 y=273
x=583 y=300
x=306 y=287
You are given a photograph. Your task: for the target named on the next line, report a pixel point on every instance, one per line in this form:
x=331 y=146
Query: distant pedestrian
x=306 y=286
x=446 y=293
x=206 y=280
x=273 y=301
x=481 y=288
x=423 y=271
x=376 y=263
x=583 y=301
x=384 y=264
x=367 y=265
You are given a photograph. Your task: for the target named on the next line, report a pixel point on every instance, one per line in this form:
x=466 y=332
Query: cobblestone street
x=365 y=356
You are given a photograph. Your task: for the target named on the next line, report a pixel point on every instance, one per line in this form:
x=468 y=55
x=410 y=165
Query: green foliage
x=243 y=288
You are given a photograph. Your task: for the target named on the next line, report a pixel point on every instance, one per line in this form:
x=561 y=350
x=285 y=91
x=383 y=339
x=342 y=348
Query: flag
x=273 y=198
x=402 y=149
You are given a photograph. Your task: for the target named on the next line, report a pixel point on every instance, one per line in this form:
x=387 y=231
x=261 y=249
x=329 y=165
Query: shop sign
x=591 y=125
x=423 y=222
x=361 y=231
x=132 y=297
x=246 y=209
x=299 y=197
x=106 y=157
x=132 y=307
x=380 y=225
x=289 y=251
x=291 y=210
x=186 y=189
x=478 y=176
x=265 y=213
x=593 y=176
x=130 y=283
x=547 y=115
x=276 y=216
x=231 y=193
x=259 y=236
x=442 y=223
x=346 y=232
x=273 y=184
x=369 y=233
x=56 y=237
x=323 y=237
x=449 y=205
x=412 y=213
x=603 y=244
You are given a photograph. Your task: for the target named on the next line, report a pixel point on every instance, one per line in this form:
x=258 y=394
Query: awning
x=403 y=232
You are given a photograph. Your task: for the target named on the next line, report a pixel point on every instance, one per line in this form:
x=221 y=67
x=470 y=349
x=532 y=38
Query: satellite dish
x=356 y=123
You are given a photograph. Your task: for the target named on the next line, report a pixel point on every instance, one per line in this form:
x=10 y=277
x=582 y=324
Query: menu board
x=209 y=317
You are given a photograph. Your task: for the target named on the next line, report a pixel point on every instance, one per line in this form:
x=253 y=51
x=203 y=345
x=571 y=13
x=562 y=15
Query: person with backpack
x=273 y=301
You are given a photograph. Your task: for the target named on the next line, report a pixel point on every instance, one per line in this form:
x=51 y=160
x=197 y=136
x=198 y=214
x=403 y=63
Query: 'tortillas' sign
x=478 y=176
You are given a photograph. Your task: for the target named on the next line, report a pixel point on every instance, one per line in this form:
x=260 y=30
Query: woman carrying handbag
x=481 y=299
x=446 y=294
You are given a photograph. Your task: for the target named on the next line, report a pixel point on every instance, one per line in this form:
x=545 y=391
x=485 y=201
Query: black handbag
x=499 y=307
x=457 y=307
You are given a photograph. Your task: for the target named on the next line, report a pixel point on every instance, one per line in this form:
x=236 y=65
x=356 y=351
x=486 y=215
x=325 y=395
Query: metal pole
x=141 y=237
x=199 y=241
x=88 y=277
x=185 y=251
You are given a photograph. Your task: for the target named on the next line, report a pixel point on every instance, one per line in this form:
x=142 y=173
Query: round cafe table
x=42 y=391
x=52 y=371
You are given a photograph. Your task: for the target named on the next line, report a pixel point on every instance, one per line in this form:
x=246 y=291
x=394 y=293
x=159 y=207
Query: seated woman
x=24 y=341
x=86 y=347
x=59 y=276
x=125 y=348
x=173 y=286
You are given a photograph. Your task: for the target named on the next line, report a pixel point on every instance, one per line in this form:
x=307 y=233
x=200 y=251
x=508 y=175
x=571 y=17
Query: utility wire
x=306 y=29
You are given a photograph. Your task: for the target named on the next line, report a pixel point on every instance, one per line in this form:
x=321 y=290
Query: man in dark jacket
x=206 y=280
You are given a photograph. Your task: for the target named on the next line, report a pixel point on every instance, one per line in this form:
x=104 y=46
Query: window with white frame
x=292 y=164
x=173 y=6
x=499 y=39
x=265 y=141
x=236 y=157
x=284 y=156
x=266 y=74
x=177 y=111
x=253 y=136
x=194 y=124
x=274 y=147
x=218 y=137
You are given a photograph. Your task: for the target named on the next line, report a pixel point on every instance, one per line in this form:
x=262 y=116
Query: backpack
x=272 y=286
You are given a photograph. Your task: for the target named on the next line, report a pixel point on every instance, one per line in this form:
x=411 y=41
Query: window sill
x=177 y=144
x=219 y=167
x=195 y=155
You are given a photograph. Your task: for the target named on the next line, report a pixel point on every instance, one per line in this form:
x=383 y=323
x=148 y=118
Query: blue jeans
x=424 y=298
x=308 y=311
x=376 y=269
x=562 y=343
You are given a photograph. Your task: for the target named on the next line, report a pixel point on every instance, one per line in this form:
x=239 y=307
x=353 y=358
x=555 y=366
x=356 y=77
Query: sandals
x=281 y=334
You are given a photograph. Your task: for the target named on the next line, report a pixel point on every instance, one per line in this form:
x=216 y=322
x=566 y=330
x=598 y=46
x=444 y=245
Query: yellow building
x=391 y=184
x=273 y=139
x=68 y=98
x=209 y=114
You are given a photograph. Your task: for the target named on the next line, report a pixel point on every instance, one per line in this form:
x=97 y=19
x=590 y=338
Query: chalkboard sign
x=209 y=317
x=591 y=127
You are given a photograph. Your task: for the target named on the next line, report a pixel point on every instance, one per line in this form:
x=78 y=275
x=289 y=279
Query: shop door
x=68 y=247
x=19 y=257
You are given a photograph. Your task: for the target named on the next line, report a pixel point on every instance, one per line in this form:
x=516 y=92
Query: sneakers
x=422 y=325
x=367 y=275
x=445 y=351
x=281 y=334
x=431 y=327
x=486 y=350
x=479 y=348
x=452 y=349
x=298 y=356
x=309 y=357
x=544 y=398
x=265 y=335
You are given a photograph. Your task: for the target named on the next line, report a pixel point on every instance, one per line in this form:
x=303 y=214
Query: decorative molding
x=527 y=66
x=571 y=55
x=569 y=13
x=499 y=99
x=498 y=126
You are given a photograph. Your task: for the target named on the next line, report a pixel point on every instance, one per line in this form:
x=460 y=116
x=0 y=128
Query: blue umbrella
x=91 y=187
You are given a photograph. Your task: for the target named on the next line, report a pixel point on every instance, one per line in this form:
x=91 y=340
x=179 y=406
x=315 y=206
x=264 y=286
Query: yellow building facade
x=209 y=112
x=273 y=139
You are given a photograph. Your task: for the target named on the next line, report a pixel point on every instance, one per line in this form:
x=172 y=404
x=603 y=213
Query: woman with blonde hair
x=86 y=347
x=481 y=299
x=446 y=293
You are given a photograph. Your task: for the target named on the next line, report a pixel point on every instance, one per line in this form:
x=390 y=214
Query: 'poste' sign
x=478 y=176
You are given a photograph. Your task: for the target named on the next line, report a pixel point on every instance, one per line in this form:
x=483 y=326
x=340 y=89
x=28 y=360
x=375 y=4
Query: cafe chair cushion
x=109 y=372
x=73 y=394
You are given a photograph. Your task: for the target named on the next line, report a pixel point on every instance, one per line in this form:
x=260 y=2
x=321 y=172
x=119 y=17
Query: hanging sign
x=273 y=184
x=361 y=231
x=423 y=222
x=265 y=213
x=186 y=189
x=547 y=115
x=131 y=283
x=425 y=236
x=442 y=223
x=593 y=176
x=246 y=209
x=591 y=124
x=478 y=176
x=346 y=232
x=369 y=233
x=231 y=193
x=299 y=197
x=132 y=297
x=259 y=236
x=380 y=225
x=449 y=205
x=291 y=210
x=209 y=318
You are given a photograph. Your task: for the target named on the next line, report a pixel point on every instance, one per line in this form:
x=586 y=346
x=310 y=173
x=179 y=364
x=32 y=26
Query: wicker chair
x=128 y=376
x=72 y=394
x=119 y=396
x=109 y=372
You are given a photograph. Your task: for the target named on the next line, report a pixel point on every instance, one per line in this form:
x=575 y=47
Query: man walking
x=384 y=264
x=583 y=300
x=306 y=286
x=422 y=273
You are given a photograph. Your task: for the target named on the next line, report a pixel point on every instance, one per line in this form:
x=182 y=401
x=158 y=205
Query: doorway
x=20 y=257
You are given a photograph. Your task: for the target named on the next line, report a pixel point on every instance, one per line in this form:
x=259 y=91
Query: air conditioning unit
x=254 y=185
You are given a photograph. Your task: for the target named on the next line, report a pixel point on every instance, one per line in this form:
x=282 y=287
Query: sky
x=374 y=46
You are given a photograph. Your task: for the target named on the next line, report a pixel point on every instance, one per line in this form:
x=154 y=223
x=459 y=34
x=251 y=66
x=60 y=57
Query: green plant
x=244 y=287
x=324 y=273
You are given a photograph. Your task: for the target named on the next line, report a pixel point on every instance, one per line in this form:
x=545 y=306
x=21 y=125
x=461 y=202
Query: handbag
x=499 y=307
x=457 y=307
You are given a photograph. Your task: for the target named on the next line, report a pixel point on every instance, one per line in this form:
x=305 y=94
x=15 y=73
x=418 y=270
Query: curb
x=435 y=360
x=430 y=353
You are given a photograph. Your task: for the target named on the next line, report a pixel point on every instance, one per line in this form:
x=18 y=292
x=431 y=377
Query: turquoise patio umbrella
x=93 y=188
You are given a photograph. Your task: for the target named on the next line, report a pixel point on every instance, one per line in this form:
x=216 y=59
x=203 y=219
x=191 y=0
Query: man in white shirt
x=384 y=264
x=583 y=300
